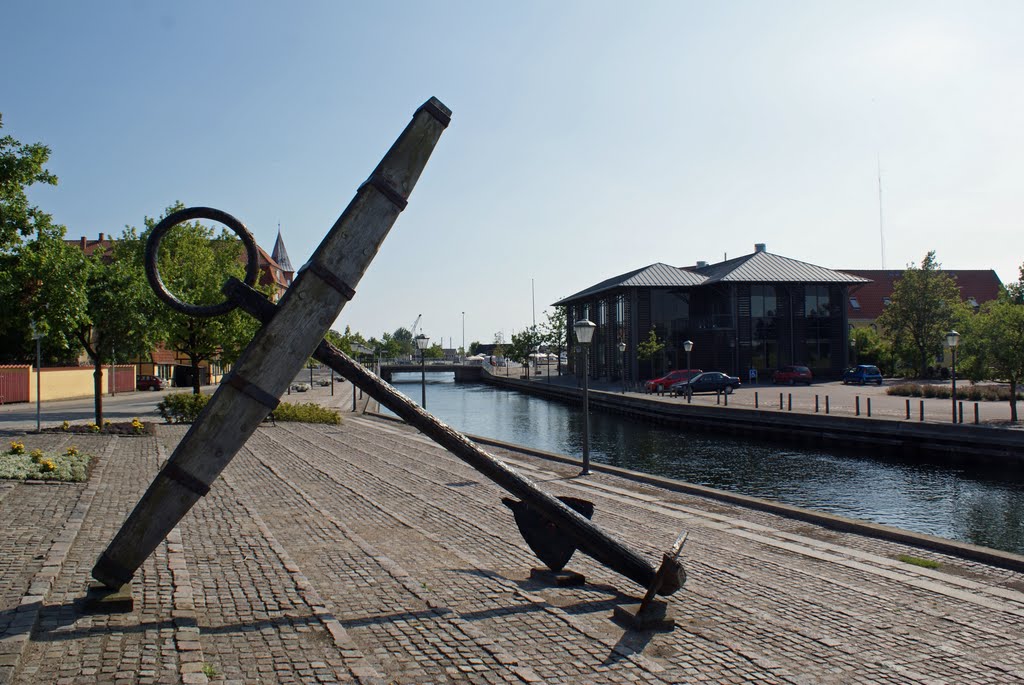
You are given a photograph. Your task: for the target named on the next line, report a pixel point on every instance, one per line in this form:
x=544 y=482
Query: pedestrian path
x=364 y=553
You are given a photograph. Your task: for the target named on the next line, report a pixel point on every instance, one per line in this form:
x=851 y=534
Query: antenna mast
x=881 y=224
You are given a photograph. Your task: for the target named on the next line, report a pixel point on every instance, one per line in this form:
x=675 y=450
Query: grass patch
x=70 y=467
x=918 y=561
x=307 y=412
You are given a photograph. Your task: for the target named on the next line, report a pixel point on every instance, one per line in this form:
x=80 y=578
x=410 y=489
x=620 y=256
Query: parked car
x=149 y=383
x=709 y=381
x=791 y=375
x=665 y=382
x=861 y=374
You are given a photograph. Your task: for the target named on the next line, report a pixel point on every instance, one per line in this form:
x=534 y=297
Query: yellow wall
x=65 y=383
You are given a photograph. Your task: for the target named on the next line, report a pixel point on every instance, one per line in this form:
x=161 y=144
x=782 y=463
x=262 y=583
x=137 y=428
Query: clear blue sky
x=588 y=139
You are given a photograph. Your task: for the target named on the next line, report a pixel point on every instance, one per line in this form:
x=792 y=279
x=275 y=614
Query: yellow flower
x=48 y=465
x=72 y=451
x=17 y=447
x=65 y=425
x=37 y=456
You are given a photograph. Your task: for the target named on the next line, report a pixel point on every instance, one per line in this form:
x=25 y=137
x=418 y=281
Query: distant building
x=867 y=302
x=758 y=311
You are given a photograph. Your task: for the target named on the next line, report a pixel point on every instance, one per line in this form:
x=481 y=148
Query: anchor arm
x=588 y=537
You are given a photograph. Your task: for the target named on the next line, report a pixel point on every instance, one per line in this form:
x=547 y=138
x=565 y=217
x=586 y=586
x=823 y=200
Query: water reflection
x=927 y=498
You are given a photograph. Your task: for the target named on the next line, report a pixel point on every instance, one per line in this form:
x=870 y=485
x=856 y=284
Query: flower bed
x=17 y=463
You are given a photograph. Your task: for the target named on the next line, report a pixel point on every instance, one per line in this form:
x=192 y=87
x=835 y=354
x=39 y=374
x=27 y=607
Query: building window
x=855 y=303
x=817 y=345
x=764 y=330
x=816 y=301
x=886 y=301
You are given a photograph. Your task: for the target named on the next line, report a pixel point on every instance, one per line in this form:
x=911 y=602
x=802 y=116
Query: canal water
x=981 y=508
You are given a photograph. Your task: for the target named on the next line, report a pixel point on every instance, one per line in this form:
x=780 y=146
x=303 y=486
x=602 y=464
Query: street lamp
x=952 y=340
x=687 y=345
x=584 y=334
x=421 y=344
x=622 y=351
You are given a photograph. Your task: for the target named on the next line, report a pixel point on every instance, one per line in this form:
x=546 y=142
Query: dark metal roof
x=765 y=267
x=758 y=267
x=654 y=276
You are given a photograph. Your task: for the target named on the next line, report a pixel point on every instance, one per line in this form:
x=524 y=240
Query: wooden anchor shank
x=279 y=349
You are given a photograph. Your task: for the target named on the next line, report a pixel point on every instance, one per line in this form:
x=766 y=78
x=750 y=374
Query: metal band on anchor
x=250 y=389
x=182 y=477
x=328 y=277
x=387 y=190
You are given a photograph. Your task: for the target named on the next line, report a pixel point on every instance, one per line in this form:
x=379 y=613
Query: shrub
x=904 y=390
x=182 y=407
x=306 y=413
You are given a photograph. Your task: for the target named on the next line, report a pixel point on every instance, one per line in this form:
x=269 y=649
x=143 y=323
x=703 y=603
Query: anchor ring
x=181 y=216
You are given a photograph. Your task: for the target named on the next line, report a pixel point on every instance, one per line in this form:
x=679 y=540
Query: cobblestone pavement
x=365 y=553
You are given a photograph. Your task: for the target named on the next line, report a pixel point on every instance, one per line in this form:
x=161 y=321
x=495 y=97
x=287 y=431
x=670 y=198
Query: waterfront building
x=760 y=311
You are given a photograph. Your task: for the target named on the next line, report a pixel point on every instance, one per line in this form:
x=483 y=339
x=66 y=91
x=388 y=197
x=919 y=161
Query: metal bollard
x=815 y=404
x=826 y=404
x=961 y=412
x=718 y=398
x=857 y=405
x=908 y=410
x=975 y=413
x=726 y=401
x=755 y=400
x=922 y=410
x=789 y=402
x=780 y=401
x=869 y=407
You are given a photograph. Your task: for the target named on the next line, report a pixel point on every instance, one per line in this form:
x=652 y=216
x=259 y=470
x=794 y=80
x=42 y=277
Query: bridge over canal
x=463 y=372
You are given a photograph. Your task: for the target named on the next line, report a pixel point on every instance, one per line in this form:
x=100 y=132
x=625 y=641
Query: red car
x=791 y=375
x=665 y=382
x=148 y=383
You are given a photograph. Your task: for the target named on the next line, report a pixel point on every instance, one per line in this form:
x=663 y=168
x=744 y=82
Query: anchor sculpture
x=292 y=331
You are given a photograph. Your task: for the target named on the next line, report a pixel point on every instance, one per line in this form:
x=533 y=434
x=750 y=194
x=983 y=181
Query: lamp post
x=37 y=336
x=463 y=360
x=622 y=353
x=853 y=346
x=421 y=344
x=687 y=345
x=953 y=339
x=584 y=334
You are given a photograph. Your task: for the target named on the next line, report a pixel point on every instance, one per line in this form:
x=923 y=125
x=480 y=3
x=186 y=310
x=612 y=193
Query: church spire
x=280 y=254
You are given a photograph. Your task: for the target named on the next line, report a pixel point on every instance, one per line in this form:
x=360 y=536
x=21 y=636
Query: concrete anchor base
x=655 y=616
x=560 y=578
x=100 y=599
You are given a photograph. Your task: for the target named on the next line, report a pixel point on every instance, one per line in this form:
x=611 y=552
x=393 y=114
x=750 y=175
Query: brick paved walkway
x=365 y=553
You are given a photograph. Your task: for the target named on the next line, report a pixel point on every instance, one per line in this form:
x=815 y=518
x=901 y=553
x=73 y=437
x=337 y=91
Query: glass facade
x=764 y=328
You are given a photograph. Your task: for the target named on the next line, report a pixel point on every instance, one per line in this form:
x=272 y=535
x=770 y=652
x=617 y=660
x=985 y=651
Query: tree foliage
x=992 y=345
x=21 y=165
x=523 y=345
x=925 y=304
x=554 y=332
x=194 y=263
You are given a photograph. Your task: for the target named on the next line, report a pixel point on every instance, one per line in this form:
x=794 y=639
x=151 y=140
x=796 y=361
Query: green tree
x=554 y=333
x=924 y=305
x=524 y=344
x=992 y=345
x=649 y=349
x=119 y=319
x=435 y=351
x=868 y=346
x=194 y=263
x=402 y=337
x=21 y=165
x=45 y=285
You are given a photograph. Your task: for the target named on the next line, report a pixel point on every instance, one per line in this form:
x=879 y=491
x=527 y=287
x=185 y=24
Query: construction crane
x=415 y=325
